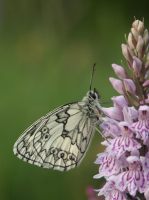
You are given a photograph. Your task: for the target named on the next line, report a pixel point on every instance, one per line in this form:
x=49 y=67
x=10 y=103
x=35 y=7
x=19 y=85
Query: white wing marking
x=73 y=135
x=59 y=165
x=52 y=125
x=74 y=149
x=66 y=144
x=73 y=121
x=73 y=111
x=50 y=159
x=79 y=137
x=58 y=143
x=55 y=133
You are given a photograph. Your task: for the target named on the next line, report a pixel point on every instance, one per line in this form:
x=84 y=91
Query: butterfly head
x=93 y=95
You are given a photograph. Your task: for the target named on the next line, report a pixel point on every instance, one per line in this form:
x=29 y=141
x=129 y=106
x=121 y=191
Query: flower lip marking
x=144 y=112
x=126 y=128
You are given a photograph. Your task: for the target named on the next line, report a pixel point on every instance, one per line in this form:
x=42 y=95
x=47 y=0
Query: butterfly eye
x=71 y=157
x=45 y=129
x=62 y=154
x=53 y=151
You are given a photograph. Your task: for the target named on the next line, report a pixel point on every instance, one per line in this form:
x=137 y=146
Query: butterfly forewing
x=60 y=139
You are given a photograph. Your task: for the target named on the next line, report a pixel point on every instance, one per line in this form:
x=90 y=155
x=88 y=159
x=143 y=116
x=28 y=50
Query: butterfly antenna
x=92 y=75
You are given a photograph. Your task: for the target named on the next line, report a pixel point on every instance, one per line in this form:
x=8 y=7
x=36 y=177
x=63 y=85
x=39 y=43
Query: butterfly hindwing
x=59 y=140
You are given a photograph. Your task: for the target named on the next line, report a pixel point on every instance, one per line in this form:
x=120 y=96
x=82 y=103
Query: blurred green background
x=47 y=48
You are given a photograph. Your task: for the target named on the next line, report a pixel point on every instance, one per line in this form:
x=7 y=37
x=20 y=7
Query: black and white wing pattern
x=58 y=140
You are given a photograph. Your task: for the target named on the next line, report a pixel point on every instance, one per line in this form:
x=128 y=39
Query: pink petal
x=119 y=101
x=109 y=165
x=146 y=193
x=146 y=83
x=125 y=129
x=130 y=114
x=144 y=112
x=122 y=144
x=131 y=181
x=117 y=85
x=113 y=113
x=110 y=128
x=110 y=192
x=132 y=159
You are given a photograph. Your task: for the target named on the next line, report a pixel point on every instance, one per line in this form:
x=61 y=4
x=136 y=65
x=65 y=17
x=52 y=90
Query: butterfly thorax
x=91 y=104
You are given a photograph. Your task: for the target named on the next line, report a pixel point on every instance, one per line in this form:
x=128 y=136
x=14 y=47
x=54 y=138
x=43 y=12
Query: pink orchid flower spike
x=124 y=164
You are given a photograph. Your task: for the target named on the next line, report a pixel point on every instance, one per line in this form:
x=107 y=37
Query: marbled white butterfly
x=60 y=139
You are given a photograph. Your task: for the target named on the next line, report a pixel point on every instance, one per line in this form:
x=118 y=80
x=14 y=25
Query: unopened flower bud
x=127 y=53
x=129 y=86
x=131 y=41
x=135 y=33
x=139 y=46
x=117 y=85
x=137 y=65
x=138 y=25
x=119 y=71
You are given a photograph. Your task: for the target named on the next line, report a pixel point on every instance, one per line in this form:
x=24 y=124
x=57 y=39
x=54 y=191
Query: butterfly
x=60 y=139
